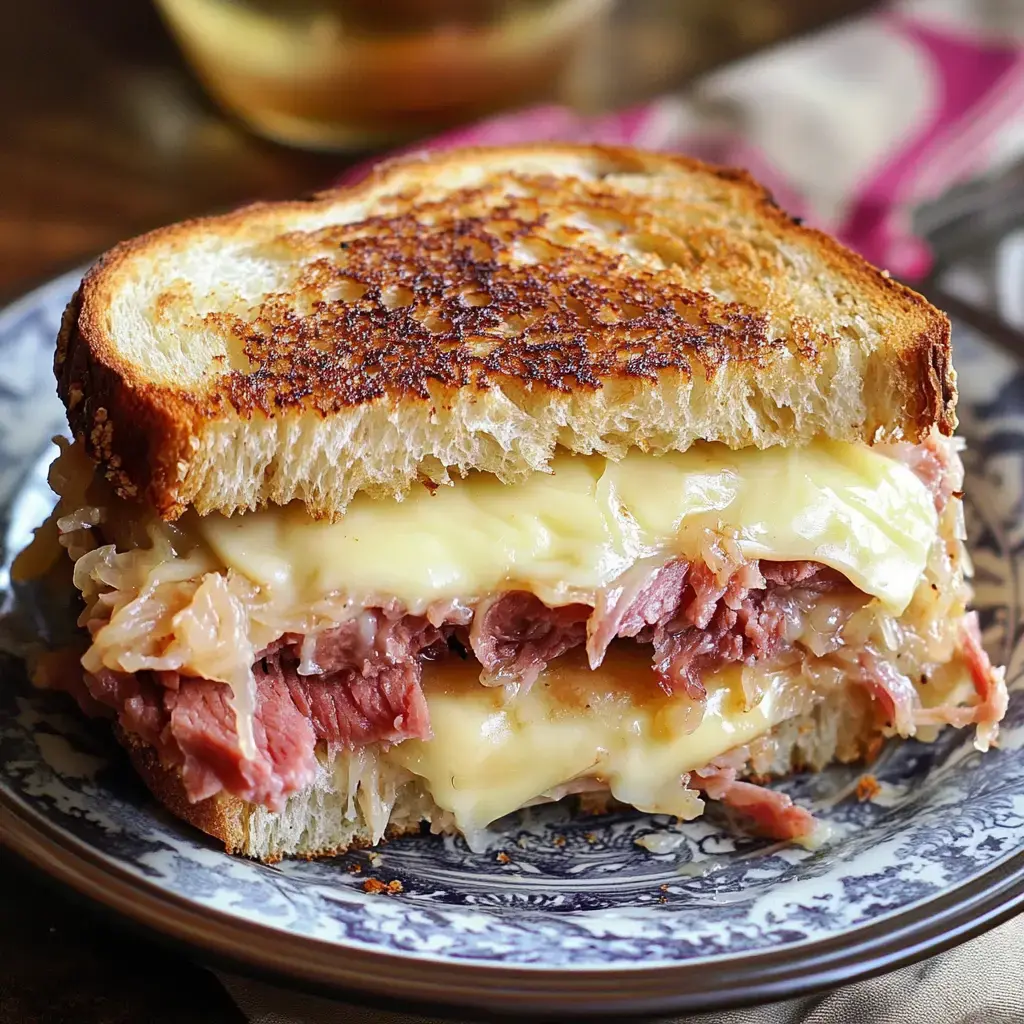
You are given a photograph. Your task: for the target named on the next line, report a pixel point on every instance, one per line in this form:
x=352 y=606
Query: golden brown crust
x=220 y=816
x=153 y=424
x=424 y=299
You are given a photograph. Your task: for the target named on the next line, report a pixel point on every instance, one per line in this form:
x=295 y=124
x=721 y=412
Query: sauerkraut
x=156 y=599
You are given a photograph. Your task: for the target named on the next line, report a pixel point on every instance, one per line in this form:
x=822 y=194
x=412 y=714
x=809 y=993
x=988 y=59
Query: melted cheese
x=565 y=534
x=490 y=754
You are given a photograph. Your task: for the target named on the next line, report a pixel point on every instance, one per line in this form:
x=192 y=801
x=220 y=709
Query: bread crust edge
x=144 y=436
x=220 y=816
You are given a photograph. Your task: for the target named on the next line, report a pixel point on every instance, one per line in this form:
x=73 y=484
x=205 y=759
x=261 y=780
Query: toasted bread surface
x=474 y=310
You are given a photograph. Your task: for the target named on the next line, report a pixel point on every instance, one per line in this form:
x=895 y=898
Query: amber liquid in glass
x=351 y=74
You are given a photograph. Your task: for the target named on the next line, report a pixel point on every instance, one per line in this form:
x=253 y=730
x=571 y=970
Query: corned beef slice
x=770 y=813
x=292 y=713
x=193 y=723
x=716 y=625
x=386 y=705
x=698 y=624
x=359 y=682
x=372 y=636
x=514 y=635
x=202 y=722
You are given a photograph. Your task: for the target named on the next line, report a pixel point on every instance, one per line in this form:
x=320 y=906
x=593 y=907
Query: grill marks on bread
x=469 y=294
x=472 y=311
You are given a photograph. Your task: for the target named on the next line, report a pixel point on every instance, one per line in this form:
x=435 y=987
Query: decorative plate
x=561 y=915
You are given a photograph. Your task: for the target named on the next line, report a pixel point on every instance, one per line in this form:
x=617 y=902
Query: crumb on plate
x=867 y=788
x=375 y=886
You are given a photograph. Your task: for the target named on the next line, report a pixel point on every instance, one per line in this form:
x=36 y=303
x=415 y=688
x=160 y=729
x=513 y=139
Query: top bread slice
x=472 y=311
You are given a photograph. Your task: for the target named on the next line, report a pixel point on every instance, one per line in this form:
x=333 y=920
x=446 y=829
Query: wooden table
x=105 y=134
x=61 y=963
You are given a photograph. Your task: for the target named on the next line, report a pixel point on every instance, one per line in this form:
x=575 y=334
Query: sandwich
x=505 y=476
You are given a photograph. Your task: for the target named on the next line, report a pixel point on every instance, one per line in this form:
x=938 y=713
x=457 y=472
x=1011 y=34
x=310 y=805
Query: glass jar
x=357 y=74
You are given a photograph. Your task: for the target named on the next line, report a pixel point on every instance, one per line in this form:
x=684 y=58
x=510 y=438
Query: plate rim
x=388 y=979
x=340 y=970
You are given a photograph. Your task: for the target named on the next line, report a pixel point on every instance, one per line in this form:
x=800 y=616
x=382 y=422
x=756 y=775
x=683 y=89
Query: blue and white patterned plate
x=575 y=917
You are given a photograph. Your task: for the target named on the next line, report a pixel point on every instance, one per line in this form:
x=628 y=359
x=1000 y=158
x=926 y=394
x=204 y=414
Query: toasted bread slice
x=316 y=821
x=471 y=311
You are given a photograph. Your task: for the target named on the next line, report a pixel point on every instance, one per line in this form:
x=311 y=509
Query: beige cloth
x=980 y=982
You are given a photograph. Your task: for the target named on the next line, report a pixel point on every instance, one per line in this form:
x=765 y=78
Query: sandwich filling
x=624 y=625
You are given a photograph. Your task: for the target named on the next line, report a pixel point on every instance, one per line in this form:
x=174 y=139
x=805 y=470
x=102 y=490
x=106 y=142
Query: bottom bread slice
x=357 y=798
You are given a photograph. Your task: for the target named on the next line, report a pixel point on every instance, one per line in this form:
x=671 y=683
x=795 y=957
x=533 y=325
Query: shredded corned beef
x=695 y=623
x=891 y=688
x=989 y=681
x=372 y=637
x=191 y=722
x=770 y=813
x=989 y=684
x=698 y=623
x=514 y=635
x=714 y=625
x=641 y=597
x=896 y=694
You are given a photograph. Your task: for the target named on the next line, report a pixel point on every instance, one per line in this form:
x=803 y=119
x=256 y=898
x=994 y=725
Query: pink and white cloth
x=850 y=129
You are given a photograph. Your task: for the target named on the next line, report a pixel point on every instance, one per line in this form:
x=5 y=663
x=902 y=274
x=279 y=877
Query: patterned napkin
x=852 y=129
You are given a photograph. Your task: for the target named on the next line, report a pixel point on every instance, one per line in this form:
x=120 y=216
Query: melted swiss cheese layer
x=565 y=534
x=491 y=754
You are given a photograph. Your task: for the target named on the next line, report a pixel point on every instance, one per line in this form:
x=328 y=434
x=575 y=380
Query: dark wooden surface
x=103 y=134
x=106 y=134
x=61 y=963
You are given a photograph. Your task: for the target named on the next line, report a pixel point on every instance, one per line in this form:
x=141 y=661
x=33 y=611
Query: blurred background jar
x=359 y=74
x=107 y=131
